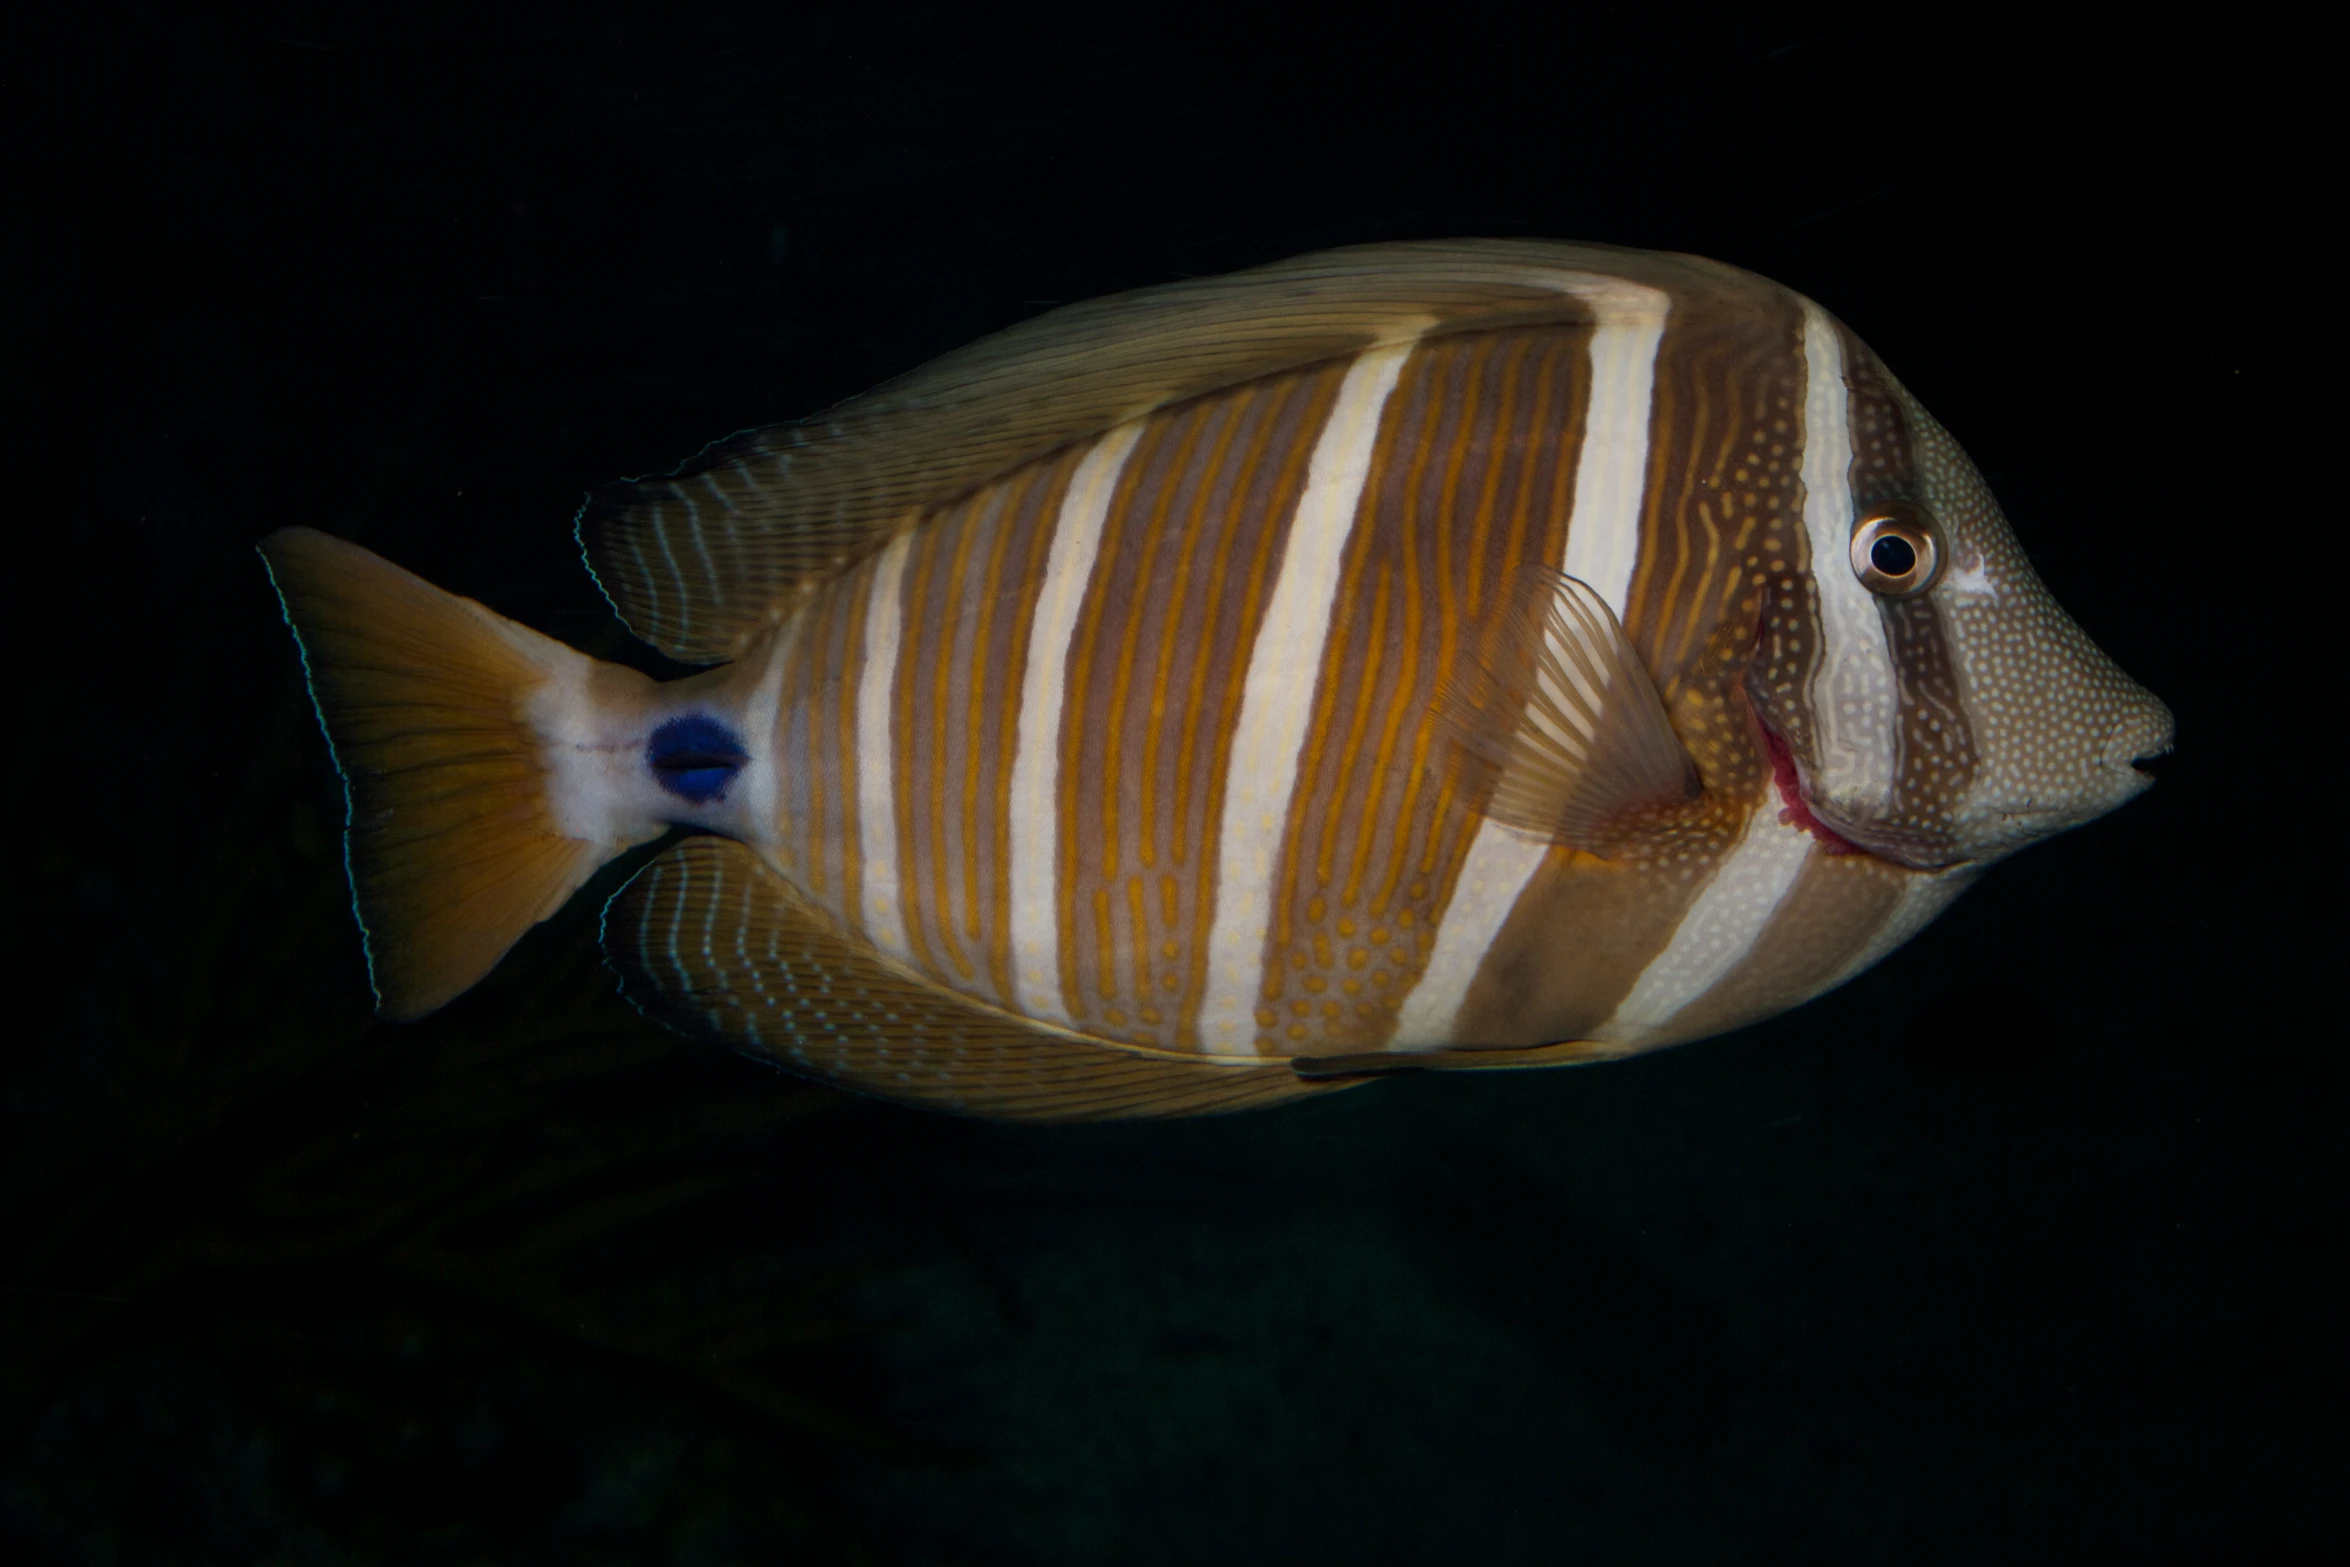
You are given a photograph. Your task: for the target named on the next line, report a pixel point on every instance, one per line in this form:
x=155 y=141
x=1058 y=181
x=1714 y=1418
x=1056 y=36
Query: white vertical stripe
x=1852 y=693
x=753 y=805
x=1603 y=546
x=1611 y=474
x=1720 y=928
x=877 y=812
x=1284 y=666
x=1036 y=759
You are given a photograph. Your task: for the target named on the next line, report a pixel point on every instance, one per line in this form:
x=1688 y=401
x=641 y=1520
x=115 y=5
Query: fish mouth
x=2142 y=740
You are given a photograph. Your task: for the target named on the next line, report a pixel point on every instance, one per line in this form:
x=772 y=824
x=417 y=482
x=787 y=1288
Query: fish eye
x=1895 y=552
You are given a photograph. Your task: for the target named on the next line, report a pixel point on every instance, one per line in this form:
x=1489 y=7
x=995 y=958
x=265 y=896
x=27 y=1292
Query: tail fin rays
x=452 y=843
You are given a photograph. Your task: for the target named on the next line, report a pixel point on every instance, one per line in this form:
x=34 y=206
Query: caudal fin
x=453 y=840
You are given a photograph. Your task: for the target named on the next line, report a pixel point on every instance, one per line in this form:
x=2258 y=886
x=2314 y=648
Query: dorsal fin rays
x=1557 y=712
x=702 y=561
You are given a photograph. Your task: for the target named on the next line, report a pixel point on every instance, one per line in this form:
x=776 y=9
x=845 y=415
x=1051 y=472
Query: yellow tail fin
x=453 y=842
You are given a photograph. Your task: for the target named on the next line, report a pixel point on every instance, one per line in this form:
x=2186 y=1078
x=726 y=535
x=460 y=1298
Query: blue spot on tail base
x=695 y=757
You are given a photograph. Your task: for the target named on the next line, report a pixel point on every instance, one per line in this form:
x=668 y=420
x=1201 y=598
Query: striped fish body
x=1191 y=729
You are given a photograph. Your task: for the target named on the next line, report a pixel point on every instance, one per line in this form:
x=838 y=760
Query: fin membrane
x=701 y=561
x=1557 y=711
x=452 y=848
x=712 y=942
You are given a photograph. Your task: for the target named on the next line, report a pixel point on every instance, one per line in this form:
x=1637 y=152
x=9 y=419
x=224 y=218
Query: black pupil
x=1893 y=556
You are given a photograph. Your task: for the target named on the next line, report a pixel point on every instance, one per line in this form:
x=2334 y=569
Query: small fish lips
x=2145 y=755
x=2141 y=740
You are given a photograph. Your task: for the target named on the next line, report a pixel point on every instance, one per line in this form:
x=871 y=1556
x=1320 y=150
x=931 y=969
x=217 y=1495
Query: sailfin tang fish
x=1462 y=655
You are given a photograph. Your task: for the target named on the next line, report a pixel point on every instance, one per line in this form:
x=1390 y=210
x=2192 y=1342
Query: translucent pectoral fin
x=1556 y=710
x=712 y=942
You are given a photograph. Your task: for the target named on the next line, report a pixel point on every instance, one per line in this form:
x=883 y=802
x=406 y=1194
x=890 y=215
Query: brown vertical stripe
x=1935 y=757
x=1831 y=914
x=855 y=591
x=816 y=791
x=1189 y=550
x=1721 y=514
x=1013 y=597
x=923 y=708
x=968 y=597
x=1468 y=482
x=972 y=579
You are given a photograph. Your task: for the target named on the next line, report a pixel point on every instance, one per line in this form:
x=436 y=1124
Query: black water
x=2026 y=1247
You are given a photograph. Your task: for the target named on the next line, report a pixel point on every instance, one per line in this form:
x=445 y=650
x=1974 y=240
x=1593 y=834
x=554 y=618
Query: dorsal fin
x=701 y=561
x=712 y=942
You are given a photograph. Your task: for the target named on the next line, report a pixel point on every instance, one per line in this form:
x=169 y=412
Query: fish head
x=1923 y=695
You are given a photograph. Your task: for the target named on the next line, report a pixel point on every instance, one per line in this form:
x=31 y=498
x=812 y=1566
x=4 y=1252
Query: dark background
x=2024 y=1247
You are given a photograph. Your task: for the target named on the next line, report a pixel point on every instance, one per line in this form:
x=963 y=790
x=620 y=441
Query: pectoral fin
x=1557 y=712
x=711 y=941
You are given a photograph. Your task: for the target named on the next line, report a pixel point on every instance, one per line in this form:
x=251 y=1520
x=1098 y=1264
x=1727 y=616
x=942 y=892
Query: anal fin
x=1382 y=1063
x=711 y=941
x=1557 y=711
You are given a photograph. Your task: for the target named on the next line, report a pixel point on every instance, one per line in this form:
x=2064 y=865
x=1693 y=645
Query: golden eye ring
x=1896 y=552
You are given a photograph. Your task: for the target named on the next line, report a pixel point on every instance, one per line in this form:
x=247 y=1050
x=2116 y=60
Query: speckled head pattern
x=1952 y=725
